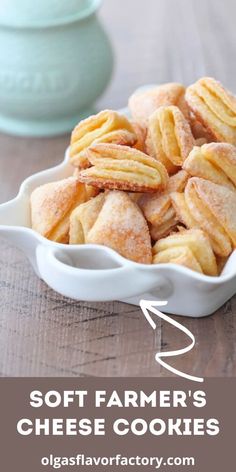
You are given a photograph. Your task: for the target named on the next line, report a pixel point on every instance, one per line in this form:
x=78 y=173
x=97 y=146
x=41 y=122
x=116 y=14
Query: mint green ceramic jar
x=56 y=59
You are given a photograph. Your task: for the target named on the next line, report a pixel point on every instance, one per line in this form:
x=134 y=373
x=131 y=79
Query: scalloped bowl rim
x=151 y=267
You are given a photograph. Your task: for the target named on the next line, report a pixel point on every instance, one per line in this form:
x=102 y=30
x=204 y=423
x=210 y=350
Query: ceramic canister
x=56 y=59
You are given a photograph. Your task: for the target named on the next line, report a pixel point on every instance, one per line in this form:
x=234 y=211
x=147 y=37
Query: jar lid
x=44 y=13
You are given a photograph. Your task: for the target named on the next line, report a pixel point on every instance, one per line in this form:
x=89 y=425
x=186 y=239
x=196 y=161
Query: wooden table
x=44 y=334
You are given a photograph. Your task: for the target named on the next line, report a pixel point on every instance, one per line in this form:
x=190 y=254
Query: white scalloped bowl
x=96 y=273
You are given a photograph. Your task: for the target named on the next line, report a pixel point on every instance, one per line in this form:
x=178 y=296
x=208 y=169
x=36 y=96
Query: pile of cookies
x=158 y=188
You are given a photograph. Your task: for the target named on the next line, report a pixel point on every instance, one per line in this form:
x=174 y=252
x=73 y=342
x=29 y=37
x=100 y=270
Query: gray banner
x=51 y=452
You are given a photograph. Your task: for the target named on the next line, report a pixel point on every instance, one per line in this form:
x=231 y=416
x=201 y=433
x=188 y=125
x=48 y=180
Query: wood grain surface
x=44 y=334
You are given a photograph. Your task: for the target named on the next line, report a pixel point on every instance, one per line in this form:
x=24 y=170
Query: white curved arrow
x=147 y=306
